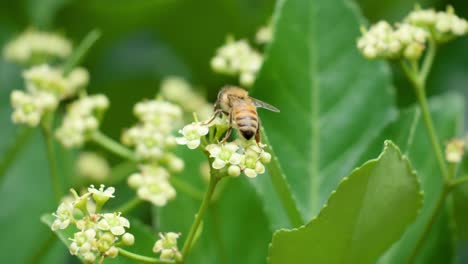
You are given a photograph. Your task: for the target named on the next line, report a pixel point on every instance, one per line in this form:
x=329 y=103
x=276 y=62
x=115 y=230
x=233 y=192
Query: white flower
x=93 y=166
x=101 y=195
x=30 y=108
x=63 y=216
x=113 y=222
x=35 y=46
x=454 y=150
x=192 y=134
x=224 y=154
x=237 y=58
x=167 y=246
x=81 y=120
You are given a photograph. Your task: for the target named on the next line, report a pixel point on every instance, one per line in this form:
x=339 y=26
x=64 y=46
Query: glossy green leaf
x=359 y=222
x=333 y=102
x=409 y=132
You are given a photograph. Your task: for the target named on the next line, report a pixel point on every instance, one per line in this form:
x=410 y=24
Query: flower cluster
x=92 y=166
x=409 y=38
x=35 y=46
x=178 y=91
x=442 y=25
x=454 y=150
x=82 y=119
x=239 y=156
x=45 y=87
x=383 y=41
x=98 y=232
x=152 y=136
x=167 y=246
x=152 y=184
x=232 y=158
x=238 y=58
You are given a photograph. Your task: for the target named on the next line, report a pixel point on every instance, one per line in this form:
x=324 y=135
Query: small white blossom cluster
x=192 y=134
x=167 y=246
x=408 y=39
x=152 y=184
x=81 y=120
x=383 y=41
x=239 y=157
x=178 y=91
x=443 y=25
x=454 y=150
x=152 y=137
x=35 y=46
x=45 y=87
x=98 y=232
x=92 y=166
x=238 y=58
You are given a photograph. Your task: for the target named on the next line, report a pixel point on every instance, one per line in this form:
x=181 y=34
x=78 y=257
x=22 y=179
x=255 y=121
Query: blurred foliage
x=144 y=41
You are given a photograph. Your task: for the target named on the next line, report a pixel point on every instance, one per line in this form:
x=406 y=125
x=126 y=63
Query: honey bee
x=241 y=110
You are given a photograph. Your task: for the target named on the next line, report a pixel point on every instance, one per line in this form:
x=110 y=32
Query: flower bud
x=128 y=239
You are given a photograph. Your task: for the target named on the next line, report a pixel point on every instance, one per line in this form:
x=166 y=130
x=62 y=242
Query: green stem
x=428 y=60
x=140 y=258
x=282 y=187
x=198 y=217
x=81 y=51
x=14 y=149
x=186 y=188
x=458 y=181
x=129 y=205
x=113 y=146
x=435 y=212
x=419 y=86
x=54 y=176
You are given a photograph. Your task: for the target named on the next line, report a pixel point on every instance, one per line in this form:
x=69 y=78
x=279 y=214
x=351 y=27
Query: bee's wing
x=262 y=104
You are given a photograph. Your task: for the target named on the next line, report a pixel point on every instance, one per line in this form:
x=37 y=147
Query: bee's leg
x=215 y=114
x=257 y=136
x=229 y=131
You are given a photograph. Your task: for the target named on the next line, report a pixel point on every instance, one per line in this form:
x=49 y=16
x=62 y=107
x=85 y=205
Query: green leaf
x=333 y=102
x=409 y=132
x=360 y=221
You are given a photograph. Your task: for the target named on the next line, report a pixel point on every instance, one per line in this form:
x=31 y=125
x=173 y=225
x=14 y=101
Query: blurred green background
x=142 y=42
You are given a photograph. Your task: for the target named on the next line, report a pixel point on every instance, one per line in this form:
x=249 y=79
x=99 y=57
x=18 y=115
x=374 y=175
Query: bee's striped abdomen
x=246 y=120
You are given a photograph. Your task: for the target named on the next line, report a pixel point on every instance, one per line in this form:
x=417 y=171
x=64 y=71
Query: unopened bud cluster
x=82 y=120
x=98 y=232
x=152 y=184
x=238 y=58
x=443 y=25
x=409 y=38
x=33 y=47
x=167 y=247
x=384 y=41
x=178 y=91
x=45 y=87
x=152 y=137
